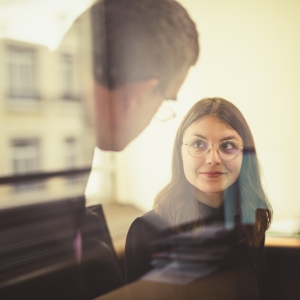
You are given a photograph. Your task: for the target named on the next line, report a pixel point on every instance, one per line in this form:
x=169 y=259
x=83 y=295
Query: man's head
x=142 y=52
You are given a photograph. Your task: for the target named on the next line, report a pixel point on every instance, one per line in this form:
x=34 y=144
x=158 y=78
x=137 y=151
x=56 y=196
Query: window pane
x=46 y=58
x=21 y=68
x=67 y=77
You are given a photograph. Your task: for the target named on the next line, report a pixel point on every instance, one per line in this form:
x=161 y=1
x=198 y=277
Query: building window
x=67 y=73
x=70 y=153
x=71 y=157
x=26 y=159
x=21 y=73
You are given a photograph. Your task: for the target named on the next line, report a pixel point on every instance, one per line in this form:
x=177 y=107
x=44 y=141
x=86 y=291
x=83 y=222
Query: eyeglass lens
x=228 y=150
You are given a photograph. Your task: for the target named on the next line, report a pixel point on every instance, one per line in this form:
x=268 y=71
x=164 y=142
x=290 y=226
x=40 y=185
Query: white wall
x=249 y=55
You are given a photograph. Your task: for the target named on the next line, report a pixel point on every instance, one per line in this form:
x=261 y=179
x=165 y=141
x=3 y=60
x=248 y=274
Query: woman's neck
x=214 y=200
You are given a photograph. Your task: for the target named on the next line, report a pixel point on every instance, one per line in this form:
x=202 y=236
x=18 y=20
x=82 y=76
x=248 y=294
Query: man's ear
x=136 y=91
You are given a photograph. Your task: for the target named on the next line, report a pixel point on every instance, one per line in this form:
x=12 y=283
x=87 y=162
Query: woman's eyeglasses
x=228 y=150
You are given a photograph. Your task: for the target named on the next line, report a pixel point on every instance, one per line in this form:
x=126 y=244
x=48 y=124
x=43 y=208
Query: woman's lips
x=212 y=174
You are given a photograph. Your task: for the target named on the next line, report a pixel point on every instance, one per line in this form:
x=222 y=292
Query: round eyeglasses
x=166 y=111
x=228 y=150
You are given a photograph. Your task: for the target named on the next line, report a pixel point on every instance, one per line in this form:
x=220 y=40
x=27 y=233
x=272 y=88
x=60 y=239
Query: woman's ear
x=135 y=92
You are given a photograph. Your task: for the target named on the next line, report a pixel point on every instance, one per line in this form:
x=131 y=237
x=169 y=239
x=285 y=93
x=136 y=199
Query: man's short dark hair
x=135 y=40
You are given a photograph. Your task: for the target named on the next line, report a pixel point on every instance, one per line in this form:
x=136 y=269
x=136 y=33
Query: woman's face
x=210 y=173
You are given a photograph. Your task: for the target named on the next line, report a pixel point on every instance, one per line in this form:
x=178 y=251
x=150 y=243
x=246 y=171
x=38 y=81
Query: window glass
x=21 y=64
x=26 y=159
x=67 y=73
x=46 y=96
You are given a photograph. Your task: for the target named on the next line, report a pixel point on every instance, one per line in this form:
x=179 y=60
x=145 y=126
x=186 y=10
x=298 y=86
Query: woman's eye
x=199 y=144
x=227 y=146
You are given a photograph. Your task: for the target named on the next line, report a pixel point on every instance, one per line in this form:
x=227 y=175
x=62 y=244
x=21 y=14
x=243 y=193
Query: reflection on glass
x=45 y=122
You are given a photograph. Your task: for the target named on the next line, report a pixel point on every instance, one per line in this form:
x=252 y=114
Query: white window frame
x=67 y=77
x=21 y=74
x=26 y=159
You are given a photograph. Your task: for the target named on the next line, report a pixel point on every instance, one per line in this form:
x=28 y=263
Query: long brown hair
x=248 y=200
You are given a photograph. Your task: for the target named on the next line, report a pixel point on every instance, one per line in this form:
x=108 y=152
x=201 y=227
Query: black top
x=151 y=242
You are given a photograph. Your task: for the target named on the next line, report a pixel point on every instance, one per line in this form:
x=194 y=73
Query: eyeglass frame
x=217 y=148
x=167 y=104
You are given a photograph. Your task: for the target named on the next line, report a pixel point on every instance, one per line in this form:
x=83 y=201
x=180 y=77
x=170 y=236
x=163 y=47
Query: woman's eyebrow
x=199 y=135
x=229 y=137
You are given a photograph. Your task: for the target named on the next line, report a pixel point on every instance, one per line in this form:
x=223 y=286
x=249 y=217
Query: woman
x=215 y=182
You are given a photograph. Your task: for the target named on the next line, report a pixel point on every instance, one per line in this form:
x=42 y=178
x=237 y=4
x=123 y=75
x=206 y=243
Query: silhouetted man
x=143 y=50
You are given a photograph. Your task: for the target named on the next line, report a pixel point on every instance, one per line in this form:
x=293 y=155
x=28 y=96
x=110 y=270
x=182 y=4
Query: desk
x=282 y=242
x=283 y=255
x=216 y=286
x=219 y=286
x=210 y=287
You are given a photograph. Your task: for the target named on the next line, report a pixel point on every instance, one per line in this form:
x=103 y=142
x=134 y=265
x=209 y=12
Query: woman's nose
x=212 y=156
